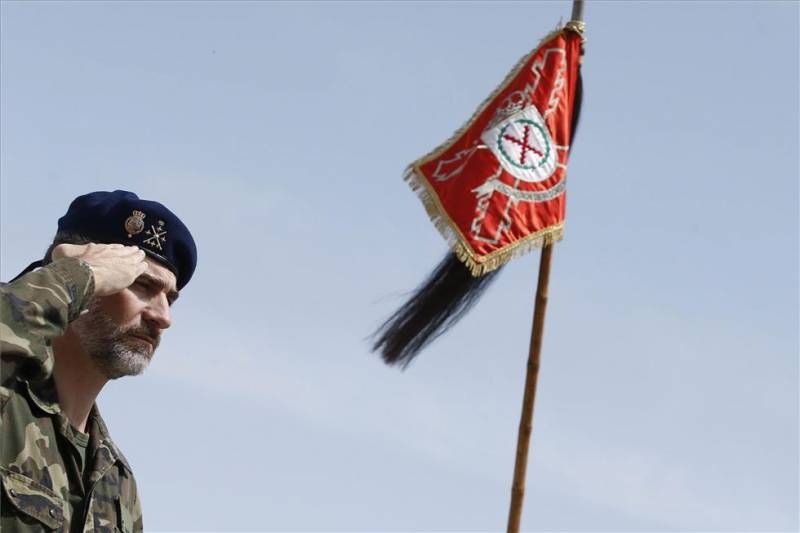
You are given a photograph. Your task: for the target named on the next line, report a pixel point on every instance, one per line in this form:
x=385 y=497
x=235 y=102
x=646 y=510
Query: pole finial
x=576 y=23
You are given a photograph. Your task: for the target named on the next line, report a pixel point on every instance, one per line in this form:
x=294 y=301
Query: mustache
x=150 y=332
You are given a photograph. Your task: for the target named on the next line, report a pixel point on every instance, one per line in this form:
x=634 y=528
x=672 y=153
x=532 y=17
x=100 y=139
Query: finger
x=125 y=251
x=133 y=258
x=130 y=249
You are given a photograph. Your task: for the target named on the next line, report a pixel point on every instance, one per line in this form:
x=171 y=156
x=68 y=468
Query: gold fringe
x=477 y=265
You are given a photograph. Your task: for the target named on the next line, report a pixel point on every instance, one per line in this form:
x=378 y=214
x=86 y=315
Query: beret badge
x=158 y=236
x=135 y=223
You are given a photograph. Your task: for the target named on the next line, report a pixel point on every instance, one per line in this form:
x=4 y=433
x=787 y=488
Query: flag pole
x=534 y=356
x=526 y=419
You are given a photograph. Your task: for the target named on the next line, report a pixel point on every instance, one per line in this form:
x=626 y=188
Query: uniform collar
x=44 y=397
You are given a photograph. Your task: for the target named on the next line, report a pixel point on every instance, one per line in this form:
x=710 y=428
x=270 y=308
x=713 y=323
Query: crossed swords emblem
x=158 y=235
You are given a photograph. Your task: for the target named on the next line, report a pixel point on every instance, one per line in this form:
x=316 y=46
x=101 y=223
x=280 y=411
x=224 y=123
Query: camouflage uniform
x=41 y=485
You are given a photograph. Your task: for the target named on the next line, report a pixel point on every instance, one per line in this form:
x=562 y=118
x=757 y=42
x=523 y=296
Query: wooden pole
x=526 y=419
x=534 y=356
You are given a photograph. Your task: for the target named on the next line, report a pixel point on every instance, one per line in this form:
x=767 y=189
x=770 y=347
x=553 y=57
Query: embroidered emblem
x=135 y=223
x=525 y=149
x=526 y=144
x=158 y=236
x=523 y=146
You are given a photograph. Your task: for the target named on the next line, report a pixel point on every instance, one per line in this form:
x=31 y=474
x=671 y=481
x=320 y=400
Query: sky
x=279 y=132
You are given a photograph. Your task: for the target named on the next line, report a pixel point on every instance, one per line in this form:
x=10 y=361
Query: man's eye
x=142 y=286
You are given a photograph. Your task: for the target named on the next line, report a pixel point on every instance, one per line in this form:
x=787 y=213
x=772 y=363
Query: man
x=93 y=312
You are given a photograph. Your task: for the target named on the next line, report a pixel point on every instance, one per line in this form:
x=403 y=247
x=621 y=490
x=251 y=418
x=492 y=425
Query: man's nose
x=157 y=311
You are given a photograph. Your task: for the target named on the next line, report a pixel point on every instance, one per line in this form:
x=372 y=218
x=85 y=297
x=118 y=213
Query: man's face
x=120 y=332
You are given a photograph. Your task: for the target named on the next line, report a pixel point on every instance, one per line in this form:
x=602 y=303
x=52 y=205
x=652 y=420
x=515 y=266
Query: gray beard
x=111 y=347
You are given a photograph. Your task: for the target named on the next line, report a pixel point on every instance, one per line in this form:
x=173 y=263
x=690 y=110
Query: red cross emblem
x=533 y=141
x=523 y=144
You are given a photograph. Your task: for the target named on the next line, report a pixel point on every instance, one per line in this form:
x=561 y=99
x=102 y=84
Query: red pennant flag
x=496 y=189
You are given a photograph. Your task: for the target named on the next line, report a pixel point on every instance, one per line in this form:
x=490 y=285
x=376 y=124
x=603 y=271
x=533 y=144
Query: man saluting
x=94 y=311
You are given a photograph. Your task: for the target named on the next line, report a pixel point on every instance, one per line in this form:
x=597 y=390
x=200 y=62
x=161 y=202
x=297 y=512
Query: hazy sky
x=279 y=132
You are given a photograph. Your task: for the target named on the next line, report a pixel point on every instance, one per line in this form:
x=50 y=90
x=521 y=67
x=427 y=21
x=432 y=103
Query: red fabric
x=546 y=80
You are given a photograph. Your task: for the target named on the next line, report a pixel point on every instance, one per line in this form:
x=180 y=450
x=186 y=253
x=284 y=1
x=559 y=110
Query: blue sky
x=668 y=395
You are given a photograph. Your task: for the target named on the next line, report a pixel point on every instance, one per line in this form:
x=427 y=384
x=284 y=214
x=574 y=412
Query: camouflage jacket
x=39 y=479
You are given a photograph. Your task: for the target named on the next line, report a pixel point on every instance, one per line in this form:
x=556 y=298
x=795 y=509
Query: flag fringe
x=477 y=265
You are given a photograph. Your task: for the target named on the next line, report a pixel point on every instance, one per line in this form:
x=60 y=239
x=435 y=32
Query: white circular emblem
x=523 y=145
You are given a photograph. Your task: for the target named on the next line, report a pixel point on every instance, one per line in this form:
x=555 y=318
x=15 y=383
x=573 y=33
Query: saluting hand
x=115 y=266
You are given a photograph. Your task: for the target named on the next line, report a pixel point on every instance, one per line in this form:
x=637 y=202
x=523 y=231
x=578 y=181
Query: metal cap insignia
x=135 y=223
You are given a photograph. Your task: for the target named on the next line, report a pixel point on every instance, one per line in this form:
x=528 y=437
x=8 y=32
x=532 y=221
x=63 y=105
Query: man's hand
x=115 y=267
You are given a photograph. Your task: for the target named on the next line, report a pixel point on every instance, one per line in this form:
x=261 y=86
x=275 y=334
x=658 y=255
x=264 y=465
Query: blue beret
x=122 y=217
